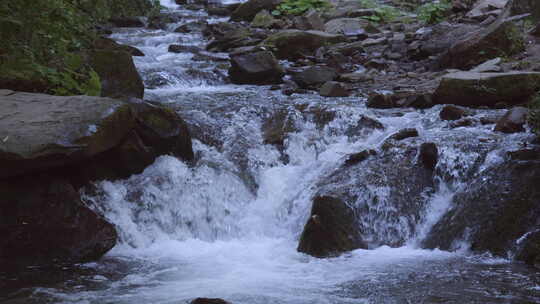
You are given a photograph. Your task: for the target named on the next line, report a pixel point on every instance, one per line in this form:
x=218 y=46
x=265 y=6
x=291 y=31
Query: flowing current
x=228 y=225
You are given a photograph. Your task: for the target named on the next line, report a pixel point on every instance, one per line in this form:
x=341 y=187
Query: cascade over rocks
x=255 y=68
x=78 y=139
x=383 y=217
x=331 y=229
x=485 y=213
x=486 y=89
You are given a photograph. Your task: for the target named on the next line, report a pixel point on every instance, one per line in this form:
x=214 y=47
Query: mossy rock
x=118 y=74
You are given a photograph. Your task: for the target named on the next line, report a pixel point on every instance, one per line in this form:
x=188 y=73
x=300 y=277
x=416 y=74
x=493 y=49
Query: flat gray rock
x=39 y=131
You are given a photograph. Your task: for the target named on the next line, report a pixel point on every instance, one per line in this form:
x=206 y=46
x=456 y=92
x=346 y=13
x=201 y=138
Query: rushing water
x=228 y=226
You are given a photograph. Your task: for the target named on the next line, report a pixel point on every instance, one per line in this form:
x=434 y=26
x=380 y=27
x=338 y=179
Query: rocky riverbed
x=401 y=154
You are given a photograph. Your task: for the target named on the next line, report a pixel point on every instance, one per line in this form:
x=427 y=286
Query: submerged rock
x=486 y=89
x=255 y=68
x=429 y=155
x=331 y=229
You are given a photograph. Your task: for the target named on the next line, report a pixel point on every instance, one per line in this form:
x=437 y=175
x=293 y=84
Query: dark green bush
x=47 y=40
x=298 y=7
x=434 y=12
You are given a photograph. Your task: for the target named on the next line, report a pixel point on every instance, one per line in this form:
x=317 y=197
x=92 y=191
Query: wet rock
x=209 y=301
x=486 y=89
x=501 y=39
x=356 y=158
x=127 y=22
x=218 y=11
x=484 y=213
x=452 y=113
x=331 y=229
x=47 y=131
x=333 y=89
x=118 y=74
x=247 y=10
x=404 y=134
x=422 y=101
x=380 y=101
x=177 y=48
x=429 y=155
x=513 y=121
x=525 y=154
x=438 y=39
x=277 y=127
x=43 y=221
x=255 y=68
x=403 y=199
x=294 y=44
x=109 y=44
x=529 y=249
x=263 y=19
x=190 y=27
x=314 y=76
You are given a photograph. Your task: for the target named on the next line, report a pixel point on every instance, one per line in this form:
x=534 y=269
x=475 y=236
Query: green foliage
x=46 y=40
x=534 y=114
x=383 y=13
x=434 y=12
x=298 y=7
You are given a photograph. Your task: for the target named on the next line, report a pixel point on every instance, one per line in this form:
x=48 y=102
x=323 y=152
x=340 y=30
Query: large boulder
x=247 y=10
x=332 y=229
x=294 y=44
x=495 y=210
x=118 y=74
x=42 y=221
x=255 y=68
x=486 y=89
x=501 y=39
x=43 y=131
